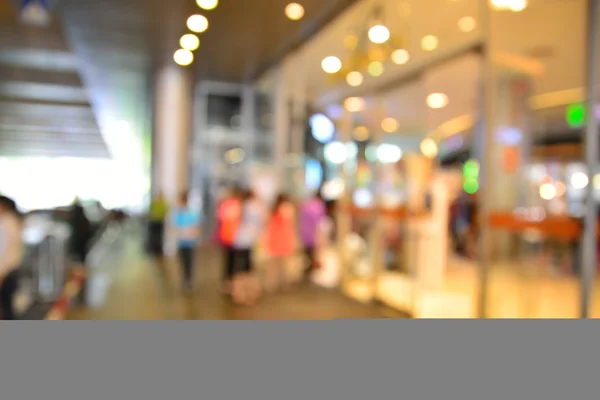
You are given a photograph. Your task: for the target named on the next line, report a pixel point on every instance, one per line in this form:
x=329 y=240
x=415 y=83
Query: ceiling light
x=389 y=125
x=429 y=148
x=547 y=191
x=197 y=23
x=189 y=42
x=331 y=64
x=379 y=34
x=208 y=4
x=354 y=78
x=579 y=180
x=516 y=5
x=466 y=24
x=361 y=133
x=183 y=57
x=375 y=68
x=437 y=100
x=294 y=11
x=235 y=156
x=354 y=104
x=429 y=43
x=400 y=56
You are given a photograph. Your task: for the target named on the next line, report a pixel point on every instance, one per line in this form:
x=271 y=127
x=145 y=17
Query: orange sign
x=511 y=159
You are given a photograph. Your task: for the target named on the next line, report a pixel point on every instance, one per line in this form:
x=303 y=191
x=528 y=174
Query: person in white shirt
x=11 y=254
x=250 y=229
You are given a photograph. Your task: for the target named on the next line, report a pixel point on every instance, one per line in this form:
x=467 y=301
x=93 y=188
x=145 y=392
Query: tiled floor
x=143 y=290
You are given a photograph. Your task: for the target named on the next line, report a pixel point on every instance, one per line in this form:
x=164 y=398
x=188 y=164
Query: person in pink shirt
x=312 y=214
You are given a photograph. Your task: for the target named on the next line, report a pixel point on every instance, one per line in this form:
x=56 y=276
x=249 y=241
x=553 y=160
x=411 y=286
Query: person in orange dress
x=280 y=242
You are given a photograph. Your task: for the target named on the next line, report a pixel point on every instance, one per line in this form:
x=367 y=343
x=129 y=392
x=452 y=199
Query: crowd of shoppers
x=281 y=233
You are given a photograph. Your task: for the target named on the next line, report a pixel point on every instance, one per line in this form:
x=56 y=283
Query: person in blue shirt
x=186 y=225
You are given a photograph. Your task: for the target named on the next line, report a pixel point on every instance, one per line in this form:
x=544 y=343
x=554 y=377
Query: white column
x=282 y=124
x=172 y=141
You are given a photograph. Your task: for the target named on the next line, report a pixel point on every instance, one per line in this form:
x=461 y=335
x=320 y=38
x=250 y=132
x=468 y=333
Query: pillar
x=172 y=127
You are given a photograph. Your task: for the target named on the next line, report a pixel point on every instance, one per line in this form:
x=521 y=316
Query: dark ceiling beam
x=64 y=78
x=44 y=109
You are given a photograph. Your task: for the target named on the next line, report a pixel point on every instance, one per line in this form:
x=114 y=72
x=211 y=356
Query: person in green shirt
x=159 y=210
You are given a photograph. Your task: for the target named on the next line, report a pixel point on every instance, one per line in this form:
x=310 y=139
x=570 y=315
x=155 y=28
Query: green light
x=576 y=115
x=375 y=68
x=471 y=169
x=471 y=186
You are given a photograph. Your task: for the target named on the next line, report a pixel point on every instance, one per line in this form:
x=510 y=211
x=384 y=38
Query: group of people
x=245 y=224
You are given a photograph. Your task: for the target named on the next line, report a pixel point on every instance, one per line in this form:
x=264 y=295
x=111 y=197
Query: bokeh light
x=207 y=4
x=389 y=125
x=389 y=153
x=437 y=100
x=547 y=191
x=467 y=24
x=336 y=152
x=471 y=186
x=197 y=23
x=361 y=133
x=294 y=11
x=375 y=68
x=354 y=104
x=429 y=43
x=354 y=78
x=183 y=57
x=429 y=148
x=331 y=64
x=400 y=57
x=576 y=115
x=580 y=180
x=189 y=42
x=379 y=34
x=322 y=128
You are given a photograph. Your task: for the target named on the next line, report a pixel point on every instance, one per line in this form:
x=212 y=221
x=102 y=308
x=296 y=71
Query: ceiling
x=549 y=33
x=44 y=108
x=111 y=49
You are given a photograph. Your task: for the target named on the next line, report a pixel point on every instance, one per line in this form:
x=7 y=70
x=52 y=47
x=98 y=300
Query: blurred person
x=81 y=232
x=229 y=213
x=11 y=256
x=312 y=213
x=186 y=224
x=280 y=242
x=251 y=226
x=159 y=210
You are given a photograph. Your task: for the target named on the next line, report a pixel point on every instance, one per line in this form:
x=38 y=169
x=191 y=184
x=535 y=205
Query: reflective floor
x=141 y=289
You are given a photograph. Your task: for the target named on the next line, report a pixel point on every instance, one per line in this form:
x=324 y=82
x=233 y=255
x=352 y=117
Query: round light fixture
x=197 y=23
x=235 y=156
x=389 y=125
x=375 y=68
x=547 y=191
x=354 y=78
x=207 y=4
x=361 y=133
x=561 y=188
x=596 y=181
x=429 y=148
x=437 y=100
x=322 y=128
x=580 y=180
x=466 y=24
x=400 y=56
x=183 y=57
x=336 y=152
x=429 y=43
x=354 y=104
x=331 y=64
x=379 y=34
x=389 y=153
x=189 y=42
x=294 y=11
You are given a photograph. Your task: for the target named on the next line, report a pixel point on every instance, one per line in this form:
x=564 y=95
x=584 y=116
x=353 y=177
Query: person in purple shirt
x=312 y=213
